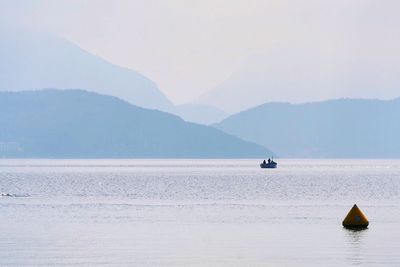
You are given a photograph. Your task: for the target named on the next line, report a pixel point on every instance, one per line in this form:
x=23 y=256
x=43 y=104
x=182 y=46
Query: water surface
x=197 y=213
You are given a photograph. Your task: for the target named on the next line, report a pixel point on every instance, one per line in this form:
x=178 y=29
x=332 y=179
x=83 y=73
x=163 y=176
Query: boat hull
x=271 y=165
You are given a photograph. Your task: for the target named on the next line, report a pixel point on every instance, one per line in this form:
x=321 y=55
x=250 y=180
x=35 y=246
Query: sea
x=141 y=212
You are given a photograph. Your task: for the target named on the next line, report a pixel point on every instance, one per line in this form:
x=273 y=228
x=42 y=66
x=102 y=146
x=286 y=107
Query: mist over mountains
x=344 y=128
x=203 y=114
x=307 y=72
x=34 y=61
x=34 y=126
x=31 y=61
x=80 y=124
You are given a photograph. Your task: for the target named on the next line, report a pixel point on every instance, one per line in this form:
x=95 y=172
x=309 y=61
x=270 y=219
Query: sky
x=190 y=47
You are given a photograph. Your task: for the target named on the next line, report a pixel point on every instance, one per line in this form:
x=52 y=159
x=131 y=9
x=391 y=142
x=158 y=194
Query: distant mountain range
x=75 y=123
x=37 y=61
x=299 y=73
x=80 y=124
x=32 y=61
x=345 y=128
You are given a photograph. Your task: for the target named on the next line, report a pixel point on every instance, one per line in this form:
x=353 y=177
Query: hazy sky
x=188 y=47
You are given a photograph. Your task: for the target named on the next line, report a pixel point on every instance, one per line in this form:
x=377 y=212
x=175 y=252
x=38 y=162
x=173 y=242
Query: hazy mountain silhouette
x=345 y=128
x=203 y=114
x=32 y=61
x=36 y=61
x=80 y=124
x=300 y=73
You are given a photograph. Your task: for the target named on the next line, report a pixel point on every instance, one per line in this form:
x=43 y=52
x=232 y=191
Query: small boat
x=271 y=164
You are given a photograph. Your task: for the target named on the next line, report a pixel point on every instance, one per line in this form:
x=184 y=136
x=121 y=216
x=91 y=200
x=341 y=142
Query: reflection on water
x=355 y=244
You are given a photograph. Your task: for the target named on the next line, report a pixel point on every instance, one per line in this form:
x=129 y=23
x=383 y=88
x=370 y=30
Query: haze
x=191 y=47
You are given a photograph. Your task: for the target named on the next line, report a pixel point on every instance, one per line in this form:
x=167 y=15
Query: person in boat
x=264 y=162
x=269 y=160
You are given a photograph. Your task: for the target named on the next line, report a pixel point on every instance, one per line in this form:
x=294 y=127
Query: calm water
x=197 y=213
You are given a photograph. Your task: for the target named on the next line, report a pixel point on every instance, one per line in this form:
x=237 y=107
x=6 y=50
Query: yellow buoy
x=355 y=219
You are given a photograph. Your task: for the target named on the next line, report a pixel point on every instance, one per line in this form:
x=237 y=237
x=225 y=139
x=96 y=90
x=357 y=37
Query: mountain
x=202 y=114
x=344 y=128
x=300 y=73
x=80 y=124
x=31 y=61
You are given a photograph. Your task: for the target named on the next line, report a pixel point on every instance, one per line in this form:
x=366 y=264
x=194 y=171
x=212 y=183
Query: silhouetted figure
x=269 y=160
